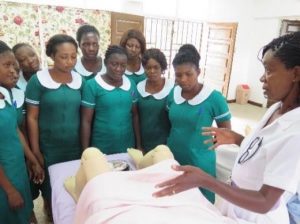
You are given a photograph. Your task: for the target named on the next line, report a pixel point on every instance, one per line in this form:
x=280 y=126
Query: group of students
x=125 y=101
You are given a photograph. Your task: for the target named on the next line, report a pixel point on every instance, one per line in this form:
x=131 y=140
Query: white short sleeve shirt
x=271 y=156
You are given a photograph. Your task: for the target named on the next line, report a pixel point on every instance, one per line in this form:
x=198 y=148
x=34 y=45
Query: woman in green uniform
x=17 y=96
x=29 y=63
x=16 y=203
x=90 y=63
x=133 y=41
x=109 y=117
x=191 y=106
x=153 y=93
x=53 y=107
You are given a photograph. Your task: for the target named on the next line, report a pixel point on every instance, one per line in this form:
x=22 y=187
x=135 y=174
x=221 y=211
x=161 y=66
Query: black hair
x=19 y=45
x=4 y=47
x=114 y=49
x=187 y=55
x=136 y=34
x=286 y=48
x=84 y=29
x=157 y=55
x=56 y=40
x=190 y=48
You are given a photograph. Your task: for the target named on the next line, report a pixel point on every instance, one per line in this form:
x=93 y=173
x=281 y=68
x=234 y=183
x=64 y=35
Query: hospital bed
x=63 y=206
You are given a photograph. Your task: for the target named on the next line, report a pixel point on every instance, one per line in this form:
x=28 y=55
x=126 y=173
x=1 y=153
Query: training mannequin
x=94 y=162
x=156 y=155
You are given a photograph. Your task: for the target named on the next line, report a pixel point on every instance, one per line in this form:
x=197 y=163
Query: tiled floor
x=242 y=116
x=245 y=115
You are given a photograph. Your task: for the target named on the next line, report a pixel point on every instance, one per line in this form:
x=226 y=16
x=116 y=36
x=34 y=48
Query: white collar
x=46 y=80
x=18 y=97
x=285 y=120
x=125 y=86
x=82 y=70
x=141 y=71
x=169 y=84
x=22 y=83
x=6 y=95
x=199 y=98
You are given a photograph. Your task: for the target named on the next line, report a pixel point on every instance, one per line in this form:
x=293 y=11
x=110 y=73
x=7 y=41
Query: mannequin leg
x=93 y=163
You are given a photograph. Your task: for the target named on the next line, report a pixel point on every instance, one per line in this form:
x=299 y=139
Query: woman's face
x=65 y=57
x=28 y=59
x=277 y=79
x=186 y=76
x=133 y=48
x=89 y=45
x=116 y=66
x=153 y=69
x=7 y=68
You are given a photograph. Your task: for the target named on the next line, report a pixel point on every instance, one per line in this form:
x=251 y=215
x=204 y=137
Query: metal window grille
x=168 y=35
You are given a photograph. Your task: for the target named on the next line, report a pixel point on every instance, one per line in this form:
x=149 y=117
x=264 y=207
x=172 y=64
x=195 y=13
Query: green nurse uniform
x=87 y=75
x=59 y=116
x=138 y=76
x=18 y=99
x=187 y=119
x=154 y=121
x=13 y=163
x=112 y=129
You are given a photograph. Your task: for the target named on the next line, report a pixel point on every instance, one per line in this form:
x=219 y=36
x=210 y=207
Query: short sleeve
x=283 y=163
x=33 y=91
x=221 y=111
x=89 y=94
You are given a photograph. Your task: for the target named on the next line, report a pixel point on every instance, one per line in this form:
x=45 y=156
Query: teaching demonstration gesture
x=192 y=177
x=221 y=136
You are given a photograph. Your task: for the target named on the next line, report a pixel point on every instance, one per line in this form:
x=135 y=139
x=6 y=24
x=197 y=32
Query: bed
x=63 y=206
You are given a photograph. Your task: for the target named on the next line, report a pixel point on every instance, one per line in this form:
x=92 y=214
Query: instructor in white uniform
x=268 y=164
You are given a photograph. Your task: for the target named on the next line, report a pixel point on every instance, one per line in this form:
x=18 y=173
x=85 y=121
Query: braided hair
x=286 y=48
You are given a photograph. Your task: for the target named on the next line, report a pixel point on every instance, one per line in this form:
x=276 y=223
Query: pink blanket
x=126 y=197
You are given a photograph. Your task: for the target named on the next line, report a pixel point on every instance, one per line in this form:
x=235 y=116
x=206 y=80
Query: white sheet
x=63 y=206
x=126 y=198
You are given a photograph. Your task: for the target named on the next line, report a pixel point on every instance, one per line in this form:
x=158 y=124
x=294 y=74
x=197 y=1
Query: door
x=218 y=49
x=121 y=22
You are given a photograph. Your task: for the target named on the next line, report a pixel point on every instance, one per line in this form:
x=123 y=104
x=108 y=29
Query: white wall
x=267 y=18
x=258 y=23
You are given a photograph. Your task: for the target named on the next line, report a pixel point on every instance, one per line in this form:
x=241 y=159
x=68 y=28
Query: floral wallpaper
x=19 y=24
x=36 y=24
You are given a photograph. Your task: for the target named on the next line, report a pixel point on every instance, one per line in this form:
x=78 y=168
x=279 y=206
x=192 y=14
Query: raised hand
x=221 y=136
